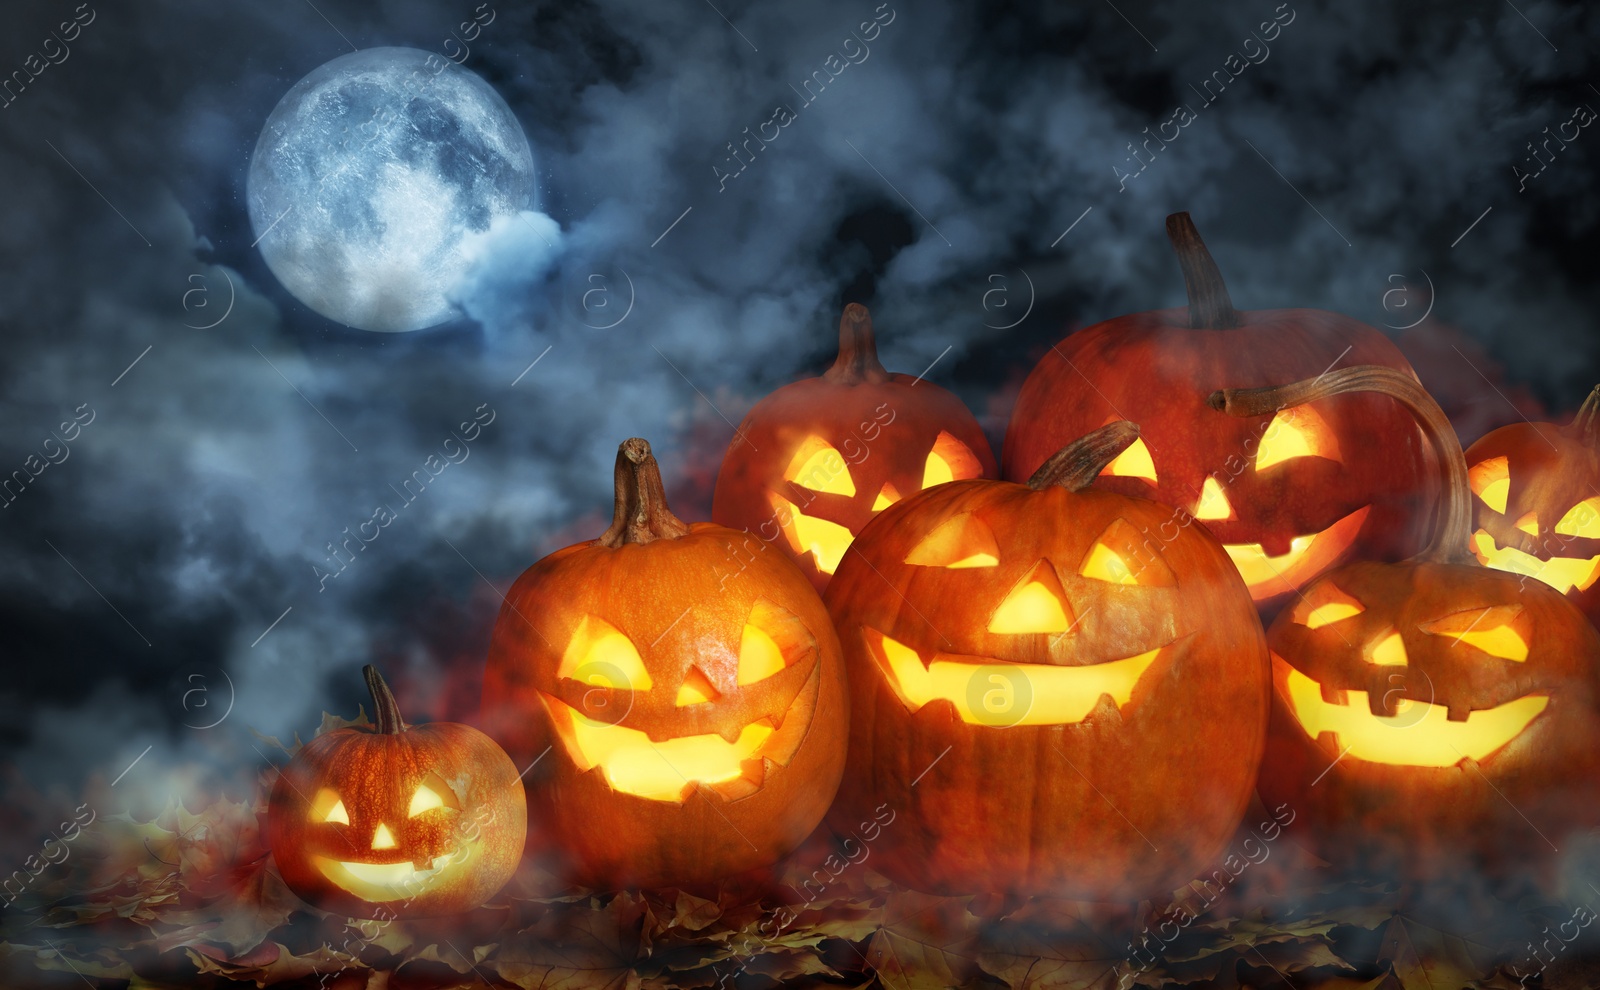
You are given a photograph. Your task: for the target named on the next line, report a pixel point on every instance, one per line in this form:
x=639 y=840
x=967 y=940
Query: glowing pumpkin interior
x=817 y=466
x=631 y=761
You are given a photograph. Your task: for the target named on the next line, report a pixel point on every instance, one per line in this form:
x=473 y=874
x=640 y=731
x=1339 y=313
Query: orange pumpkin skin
x=1554 y=475
x=882 y=428
x=657 y=585
x=1426 y=712
x=386 y=849
x=1069 y=809
x=1158 y=368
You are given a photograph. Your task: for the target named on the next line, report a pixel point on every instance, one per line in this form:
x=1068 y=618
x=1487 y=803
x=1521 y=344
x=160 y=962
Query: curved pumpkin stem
x=1586 y=424
x=858 y=351
x=1209 y=305
x=1075 y=466
x=385 y=711
x=1453 y=529
x=640 y=514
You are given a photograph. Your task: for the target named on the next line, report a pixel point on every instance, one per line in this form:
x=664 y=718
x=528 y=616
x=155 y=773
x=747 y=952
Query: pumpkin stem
x=1586 y=424
x=1075 y=466
x=1453 y=528
x=641 y=512
x=1209 y=305
x=858 y=351
x=385 y=711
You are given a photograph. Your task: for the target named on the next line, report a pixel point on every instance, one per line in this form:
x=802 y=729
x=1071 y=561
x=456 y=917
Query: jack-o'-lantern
x=1537 y=508
x=683 y=727
x=813 y=461
x=1054 y=694
x=396 y=820
x=1289 y=494
x=1429 y=714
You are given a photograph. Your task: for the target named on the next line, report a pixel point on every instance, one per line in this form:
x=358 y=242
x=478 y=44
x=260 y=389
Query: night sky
x=935 y=178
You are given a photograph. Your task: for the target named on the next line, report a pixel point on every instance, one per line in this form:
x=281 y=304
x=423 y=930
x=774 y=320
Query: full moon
x=368 y=174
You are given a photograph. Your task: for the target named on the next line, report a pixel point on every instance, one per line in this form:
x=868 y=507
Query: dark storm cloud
x=201 y=501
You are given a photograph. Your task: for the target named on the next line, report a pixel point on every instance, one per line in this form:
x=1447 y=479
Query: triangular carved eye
x=1123 y=555
x=327 y=806
x=1036 y=605
x=819 y=467
x=1582 y=520
x=949 y=460
x=773 y=638
x=965 y=541
x=1490 y=480
x=1325 y=603
x=1133 y=462
x=1296 y=432
x=1492 y=630
x=601 y=655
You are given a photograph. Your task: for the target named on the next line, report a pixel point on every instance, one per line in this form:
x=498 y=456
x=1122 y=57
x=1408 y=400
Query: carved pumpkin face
x=815 y=460
x=1431 y=712
x=1021 y=661
x=1536 y=490
x=1421 y=709
x=408 y=822
x=686 y=727
x=1290 y=493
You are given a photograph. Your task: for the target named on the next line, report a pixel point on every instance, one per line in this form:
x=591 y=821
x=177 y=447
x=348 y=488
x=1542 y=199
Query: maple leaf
x=576 y=949
x=923 y=941
x=1426 y=958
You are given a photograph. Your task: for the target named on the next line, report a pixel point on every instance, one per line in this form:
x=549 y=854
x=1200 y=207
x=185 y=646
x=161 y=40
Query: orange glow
x=1490 y=630
x=819 y=467
x=1134 y=462
x=759 y=656
x=601 y=655
x=949 y=460
x=1490 y=480
x=696 y=689
x=1213 y=502
x=825 y=541
x=887 y=496
x=1296 y=432
x=383 y=838
x=657 y=771
x=425 y=799
x=1581 y=520
x=327 y=806
x=1390 y=651
x=1121 y=555
x=1529 y=523
x=964 y=541
x=382 y=882
x=1560 y=573
x=1000 y=695
x=1308 y=556
x=1035 y=605
x=1325 y=604
x=1407 y=738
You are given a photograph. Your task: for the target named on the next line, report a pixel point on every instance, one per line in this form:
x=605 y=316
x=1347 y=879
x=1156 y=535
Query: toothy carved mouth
x=1307 y=557
x=1560 y=573
x=988 y=693
x=635 y=764
x=1419 y=734
x=379 y=882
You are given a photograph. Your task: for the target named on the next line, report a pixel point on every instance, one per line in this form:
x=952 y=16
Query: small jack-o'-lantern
x=813 y=461
x=1053 y=695
x=1432 y=713
x=397 y=821
x=1289 y=494
x=1538 y=502
x=697 y=722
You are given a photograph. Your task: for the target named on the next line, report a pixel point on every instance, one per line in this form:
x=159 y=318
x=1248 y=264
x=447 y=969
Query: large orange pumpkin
x=1432 y=714
x=397 y=821
x=683 y=726
x=1538 y=502
x=1290 y=493
x=1050 y=693
x=813 y=461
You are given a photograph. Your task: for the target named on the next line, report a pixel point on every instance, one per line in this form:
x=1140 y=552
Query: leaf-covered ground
x=191 y=899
